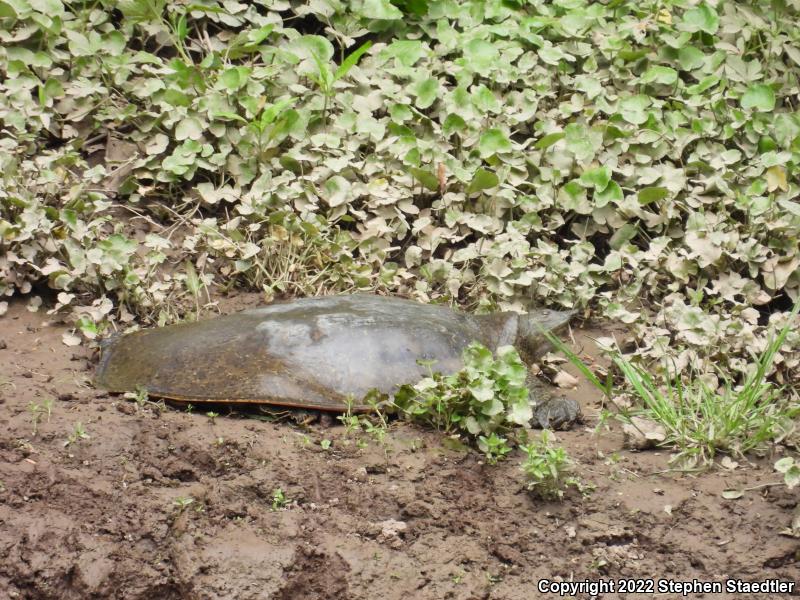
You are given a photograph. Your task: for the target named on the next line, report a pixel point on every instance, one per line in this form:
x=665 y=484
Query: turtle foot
x=557 y=413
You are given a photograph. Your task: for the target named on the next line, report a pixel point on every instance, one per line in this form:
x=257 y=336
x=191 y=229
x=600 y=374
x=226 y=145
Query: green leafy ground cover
x=635 y=160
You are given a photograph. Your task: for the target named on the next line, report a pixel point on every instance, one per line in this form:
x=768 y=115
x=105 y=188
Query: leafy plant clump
x=488 y=402
x=375 y=425
x=484 y=400
x=548 y=470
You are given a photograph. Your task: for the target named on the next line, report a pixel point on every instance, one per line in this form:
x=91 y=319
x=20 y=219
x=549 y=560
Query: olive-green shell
x=309 y=353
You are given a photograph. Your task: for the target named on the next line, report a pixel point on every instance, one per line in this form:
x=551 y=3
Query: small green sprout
x=38 y=410
x=279 y=499
x=183 y=502
x=494 y=447
x=77 y=434
x=141 y=396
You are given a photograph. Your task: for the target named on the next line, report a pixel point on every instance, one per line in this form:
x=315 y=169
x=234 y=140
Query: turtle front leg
x=551 y=412
x=557 y=413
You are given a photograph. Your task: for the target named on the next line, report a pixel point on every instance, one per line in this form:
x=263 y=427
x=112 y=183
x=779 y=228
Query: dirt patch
x=162 y=503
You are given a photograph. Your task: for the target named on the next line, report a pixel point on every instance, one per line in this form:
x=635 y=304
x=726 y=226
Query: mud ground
x=165 y=504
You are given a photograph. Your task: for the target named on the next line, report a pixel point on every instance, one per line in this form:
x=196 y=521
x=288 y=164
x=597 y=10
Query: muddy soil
x=161 y=503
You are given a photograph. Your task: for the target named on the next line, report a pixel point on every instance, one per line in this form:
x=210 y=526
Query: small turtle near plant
x=316 y=353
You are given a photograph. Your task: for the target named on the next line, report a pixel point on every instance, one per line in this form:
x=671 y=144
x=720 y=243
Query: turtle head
x=530 y=341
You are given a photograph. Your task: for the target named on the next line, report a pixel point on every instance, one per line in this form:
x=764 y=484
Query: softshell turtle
x=318 y=352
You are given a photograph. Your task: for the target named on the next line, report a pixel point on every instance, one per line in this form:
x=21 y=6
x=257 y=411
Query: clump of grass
x=701 y=421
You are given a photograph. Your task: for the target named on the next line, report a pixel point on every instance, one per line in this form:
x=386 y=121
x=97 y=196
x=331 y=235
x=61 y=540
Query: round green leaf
x=660 y=74
x=427 y=91
x=337 y=191
x=493 y=142
x=484 y=99
x=597 y=178
x=407 y=52
x=311 y=46
x=157 y=144
x=482 y=180
x=480 y=55
x=52 y=89
x=400 y=113
x=588 y=85
x=234 y=78
x=189 y=128
x=759 y=97
x=114 y=43
x=79 y=44
x=612 y=193
x=572 y=197
x=652 y=194
x=622 y=236
x=690 y=58
x=175 y=97
x=634 y=109
x=453 y=124
x=702 y=18
x=426 y=178
x=582 y=141
x=381 y=9
x=792 y=477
